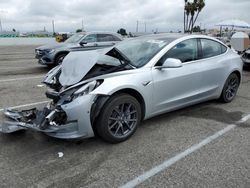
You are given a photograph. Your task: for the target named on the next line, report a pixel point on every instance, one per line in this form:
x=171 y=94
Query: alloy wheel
x=231 y=89
x=122 y=120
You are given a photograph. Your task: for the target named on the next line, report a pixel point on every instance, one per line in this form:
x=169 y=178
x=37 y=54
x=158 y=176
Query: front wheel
x=230 y=88
x=119 y=118
x=59 y=59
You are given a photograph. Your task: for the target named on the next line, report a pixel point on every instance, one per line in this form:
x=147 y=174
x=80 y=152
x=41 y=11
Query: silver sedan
x=109 y=92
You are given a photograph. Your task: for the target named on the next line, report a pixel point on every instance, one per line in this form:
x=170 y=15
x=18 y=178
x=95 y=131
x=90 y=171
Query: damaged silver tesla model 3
x=109 y=92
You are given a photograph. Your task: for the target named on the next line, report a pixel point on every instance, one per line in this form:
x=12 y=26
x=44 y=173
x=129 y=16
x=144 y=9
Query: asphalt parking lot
x=184 y=148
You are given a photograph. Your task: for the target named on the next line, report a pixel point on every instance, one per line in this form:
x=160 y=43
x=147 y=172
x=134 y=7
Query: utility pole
x=137 y=24
x=82 y=26
x=1 y=28
x=53 y=26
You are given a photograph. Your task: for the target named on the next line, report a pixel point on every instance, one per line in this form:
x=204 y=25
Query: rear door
x=90 y=43
x=176 y=87
x=213 y=65
x=106 y=40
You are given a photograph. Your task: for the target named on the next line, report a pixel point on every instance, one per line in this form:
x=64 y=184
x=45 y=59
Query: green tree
x=78 y=30
x=122 y=32
x=196 y=29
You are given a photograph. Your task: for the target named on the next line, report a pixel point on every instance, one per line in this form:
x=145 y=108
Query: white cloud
x=165 y=15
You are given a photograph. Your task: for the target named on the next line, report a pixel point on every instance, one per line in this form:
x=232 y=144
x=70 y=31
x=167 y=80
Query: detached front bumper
x=68 y=121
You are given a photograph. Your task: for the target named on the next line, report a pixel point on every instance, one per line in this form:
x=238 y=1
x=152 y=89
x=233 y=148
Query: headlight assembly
x=86 y=89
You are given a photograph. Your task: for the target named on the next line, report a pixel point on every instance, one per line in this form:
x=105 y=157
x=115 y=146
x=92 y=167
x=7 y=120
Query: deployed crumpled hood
x=76 y=65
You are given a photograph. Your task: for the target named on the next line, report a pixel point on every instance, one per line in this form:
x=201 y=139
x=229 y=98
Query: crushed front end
x=40 y=120
x=62 y=118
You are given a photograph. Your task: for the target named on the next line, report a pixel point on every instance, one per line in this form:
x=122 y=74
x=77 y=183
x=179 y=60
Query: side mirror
x=170 y=63
x=82 y=43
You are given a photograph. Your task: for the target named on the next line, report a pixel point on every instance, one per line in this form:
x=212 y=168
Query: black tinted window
x=211 y=48
x=105 y=38
x=184 y=51
x=223 y=49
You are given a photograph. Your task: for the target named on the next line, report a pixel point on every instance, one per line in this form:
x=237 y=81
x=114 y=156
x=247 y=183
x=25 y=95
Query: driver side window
x=90 y=38
x=185 y=51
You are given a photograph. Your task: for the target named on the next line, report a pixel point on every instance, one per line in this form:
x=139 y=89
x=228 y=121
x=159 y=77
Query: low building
x=9 y=34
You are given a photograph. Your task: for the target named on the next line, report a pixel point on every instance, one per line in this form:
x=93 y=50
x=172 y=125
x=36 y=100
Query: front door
x=177 y=87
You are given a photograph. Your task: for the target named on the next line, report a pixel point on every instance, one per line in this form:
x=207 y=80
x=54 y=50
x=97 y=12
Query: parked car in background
x=246 y=57
x=109 y=92
x=53 y=54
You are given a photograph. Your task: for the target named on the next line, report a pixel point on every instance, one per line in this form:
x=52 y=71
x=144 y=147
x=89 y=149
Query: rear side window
x=106 y=38
x=185 y=51
x=115 y=38
x=211 y=48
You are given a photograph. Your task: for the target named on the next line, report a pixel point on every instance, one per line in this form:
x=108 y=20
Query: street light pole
x=53 y=26
x=82 y=26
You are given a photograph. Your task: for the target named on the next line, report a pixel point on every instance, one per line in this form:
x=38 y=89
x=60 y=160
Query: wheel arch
x=101 y=100
x=137 y=95
x=60 y=53
x=237 y=72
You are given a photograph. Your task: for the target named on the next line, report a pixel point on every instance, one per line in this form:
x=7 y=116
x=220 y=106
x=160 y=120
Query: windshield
x=75 y=38
x=140 y=51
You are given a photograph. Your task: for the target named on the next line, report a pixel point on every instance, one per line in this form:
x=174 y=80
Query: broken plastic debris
x=60 y=154
x=40 y=85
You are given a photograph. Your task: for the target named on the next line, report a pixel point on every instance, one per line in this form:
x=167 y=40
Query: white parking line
x=163 y=166
x=20 y=79
x=24 y=67
x=25 y=105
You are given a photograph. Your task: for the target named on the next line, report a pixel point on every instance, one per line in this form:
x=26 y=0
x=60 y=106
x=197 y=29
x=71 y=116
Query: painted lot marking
x=25 y=105
x=9 y=68
x=20 y=79
x=166 y=164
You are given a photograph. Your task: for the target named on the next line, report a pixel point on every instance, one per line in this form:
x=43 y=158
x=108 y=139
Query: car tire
x=119 y=118
x=59 y=59
x=230 y=88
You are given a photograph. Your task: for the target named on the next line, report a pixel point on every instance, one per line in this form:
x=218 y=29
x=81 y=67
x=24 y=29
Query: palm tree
x=192 y=12
x=200 y=5
x=184 y=19
x=192 y=8
x=188 y=10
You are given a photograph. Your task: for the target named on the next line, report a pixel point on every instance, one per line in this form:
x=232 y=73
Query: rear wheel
x=230 y=88
x=119 y=118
